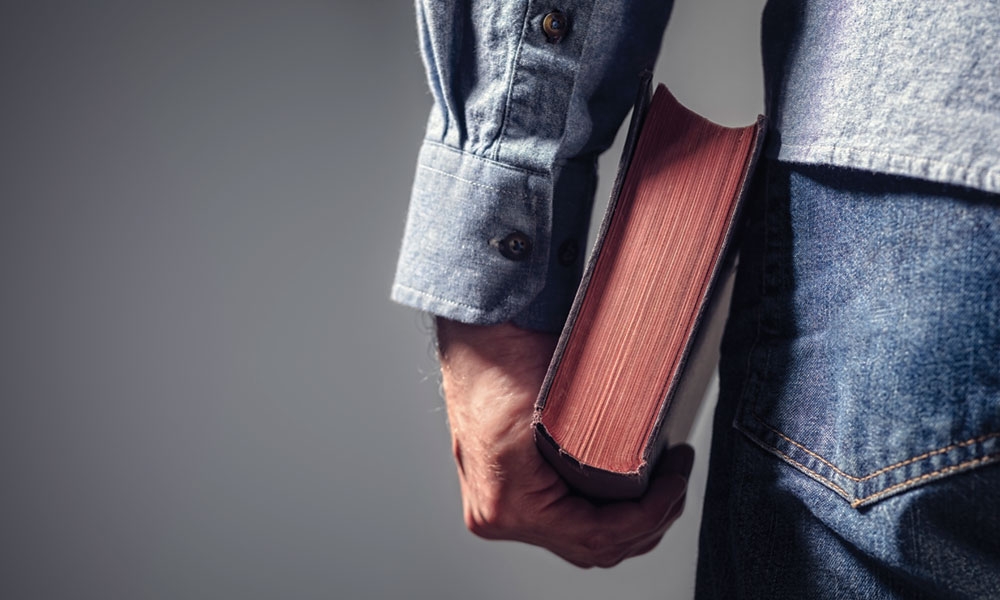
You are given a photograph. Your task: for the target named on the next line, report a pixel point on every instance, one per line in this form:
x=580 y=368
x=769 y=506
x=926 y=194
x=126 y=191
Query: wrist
x=481 y=347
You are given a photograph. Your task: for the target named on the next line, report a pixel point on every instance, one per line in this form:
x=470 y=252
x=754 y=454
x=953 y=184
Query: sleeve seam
x=493 y=162
x=440 y=299
x=510 y=82
x=463 y=180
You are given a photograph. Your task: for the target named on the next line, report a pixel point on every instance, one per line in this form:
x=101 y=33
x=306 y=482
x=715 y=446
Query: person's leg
x=858 y=429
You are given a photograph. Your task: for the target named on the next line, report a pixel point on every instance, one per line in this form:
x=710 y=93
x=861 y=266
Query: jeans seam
x=942 y=471
x=883 y=470
x=813 y=474
x=751 y=398
x=855 y=500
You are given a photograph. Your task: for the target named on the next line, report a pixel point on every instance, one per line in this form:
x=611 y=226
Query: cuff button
x=555 y=25
x=516 y=246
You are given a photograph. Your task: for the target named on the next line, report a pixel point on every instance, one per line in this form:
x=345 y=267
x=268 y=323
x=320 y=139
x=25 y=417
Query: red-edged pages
x=601 y=411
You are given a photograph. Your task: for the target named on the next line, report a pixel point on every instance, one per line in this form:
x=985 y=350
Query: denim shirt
x=526 y=96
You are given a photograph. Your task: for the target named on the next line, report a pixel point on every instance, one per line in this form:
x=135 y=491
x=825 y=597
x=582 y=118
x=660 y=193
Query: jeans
x=858 y=429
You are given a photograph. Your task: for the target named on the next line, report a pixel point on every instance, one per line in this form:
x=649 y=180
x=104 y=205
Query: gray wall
x=204 y=392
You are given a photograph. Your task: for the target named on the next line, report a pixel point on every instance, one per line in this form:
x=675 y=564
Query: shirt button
x=568 y=252
x=516 y=246
x=555 y=25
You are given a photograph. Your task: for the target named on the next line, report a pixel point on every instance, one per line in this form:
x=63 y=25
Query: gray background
x=204 y=392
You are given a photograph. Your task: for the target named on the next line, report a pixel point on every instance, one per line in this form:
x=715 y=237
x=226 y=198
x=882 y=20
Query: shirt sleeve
x=526 y=96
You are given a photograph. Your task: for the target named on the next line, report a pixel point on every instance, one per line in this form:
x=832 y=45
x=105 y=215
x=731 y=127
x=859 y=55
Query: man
x=859 y=413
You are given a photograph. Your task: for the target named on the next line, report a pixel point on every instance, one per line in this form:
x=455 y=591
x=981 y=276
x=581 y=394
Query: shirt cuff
x=486 y=242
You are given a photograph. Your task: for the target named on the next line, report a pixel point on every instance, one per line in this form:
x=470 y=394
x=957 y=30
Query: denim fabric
x=903 y=87
x=511 y=147
x=861 y=372
x=906 y=87
x=859 y=414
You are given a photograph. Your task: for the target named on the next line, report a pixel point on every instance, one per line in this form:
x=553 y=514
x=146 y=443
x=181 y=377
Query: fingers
x=667 y=487
x=650 y=541
x=581 y=533
x=603 y=536
x=509 y=492
x=679 y=460
x=643 y=524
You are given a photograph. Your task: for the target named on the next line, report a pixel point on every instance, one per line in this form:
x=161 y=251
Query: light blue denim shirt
x=527 y=94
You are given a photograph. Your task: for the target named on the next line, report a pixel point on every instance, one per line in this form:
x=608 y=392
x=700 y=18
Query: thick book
x=661 y=252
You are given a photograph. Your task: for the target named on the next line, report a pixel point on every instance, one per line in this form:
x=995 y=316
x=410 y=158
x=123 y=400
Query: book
x=624 y=354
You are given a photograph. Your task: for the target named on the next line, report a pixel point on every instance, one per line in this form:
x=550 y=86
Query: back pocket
x=875 y=362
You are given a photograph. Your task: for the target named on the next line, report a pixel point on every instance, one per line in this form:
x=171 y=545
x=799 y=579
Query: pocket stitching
x=750 y=397
x=989 y=458
x=883 y=470
x=855 y=500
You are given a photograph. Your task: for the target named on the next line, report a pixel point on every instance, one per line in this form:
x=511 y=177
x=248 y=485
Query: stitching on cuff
x=486 y=159
x=479 y=185
x=428 y=296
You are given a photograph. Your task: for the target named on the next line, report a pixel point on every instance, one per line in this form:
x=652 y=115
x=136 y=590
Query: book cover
x=622 y=356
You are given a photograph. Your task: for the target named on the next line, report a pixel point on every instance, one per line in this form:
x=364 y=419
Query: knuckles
x=492 y=519
x=602 y=550
x=607 y=562
x=597 y=543
x=489 y=520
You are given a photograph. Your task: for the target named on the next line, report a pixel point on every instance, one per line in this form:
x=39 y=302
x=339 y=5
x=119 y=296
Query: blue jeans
x=858 y=429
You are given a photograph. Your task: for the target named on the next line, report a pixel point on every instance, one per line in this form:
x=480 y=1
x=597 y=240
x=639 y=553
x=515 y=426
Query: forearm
x=502 y=195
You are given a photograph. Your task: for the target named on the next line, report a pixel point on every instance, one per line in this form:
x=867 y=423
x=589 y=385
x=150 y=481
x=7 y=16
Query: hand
x=491 y=377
